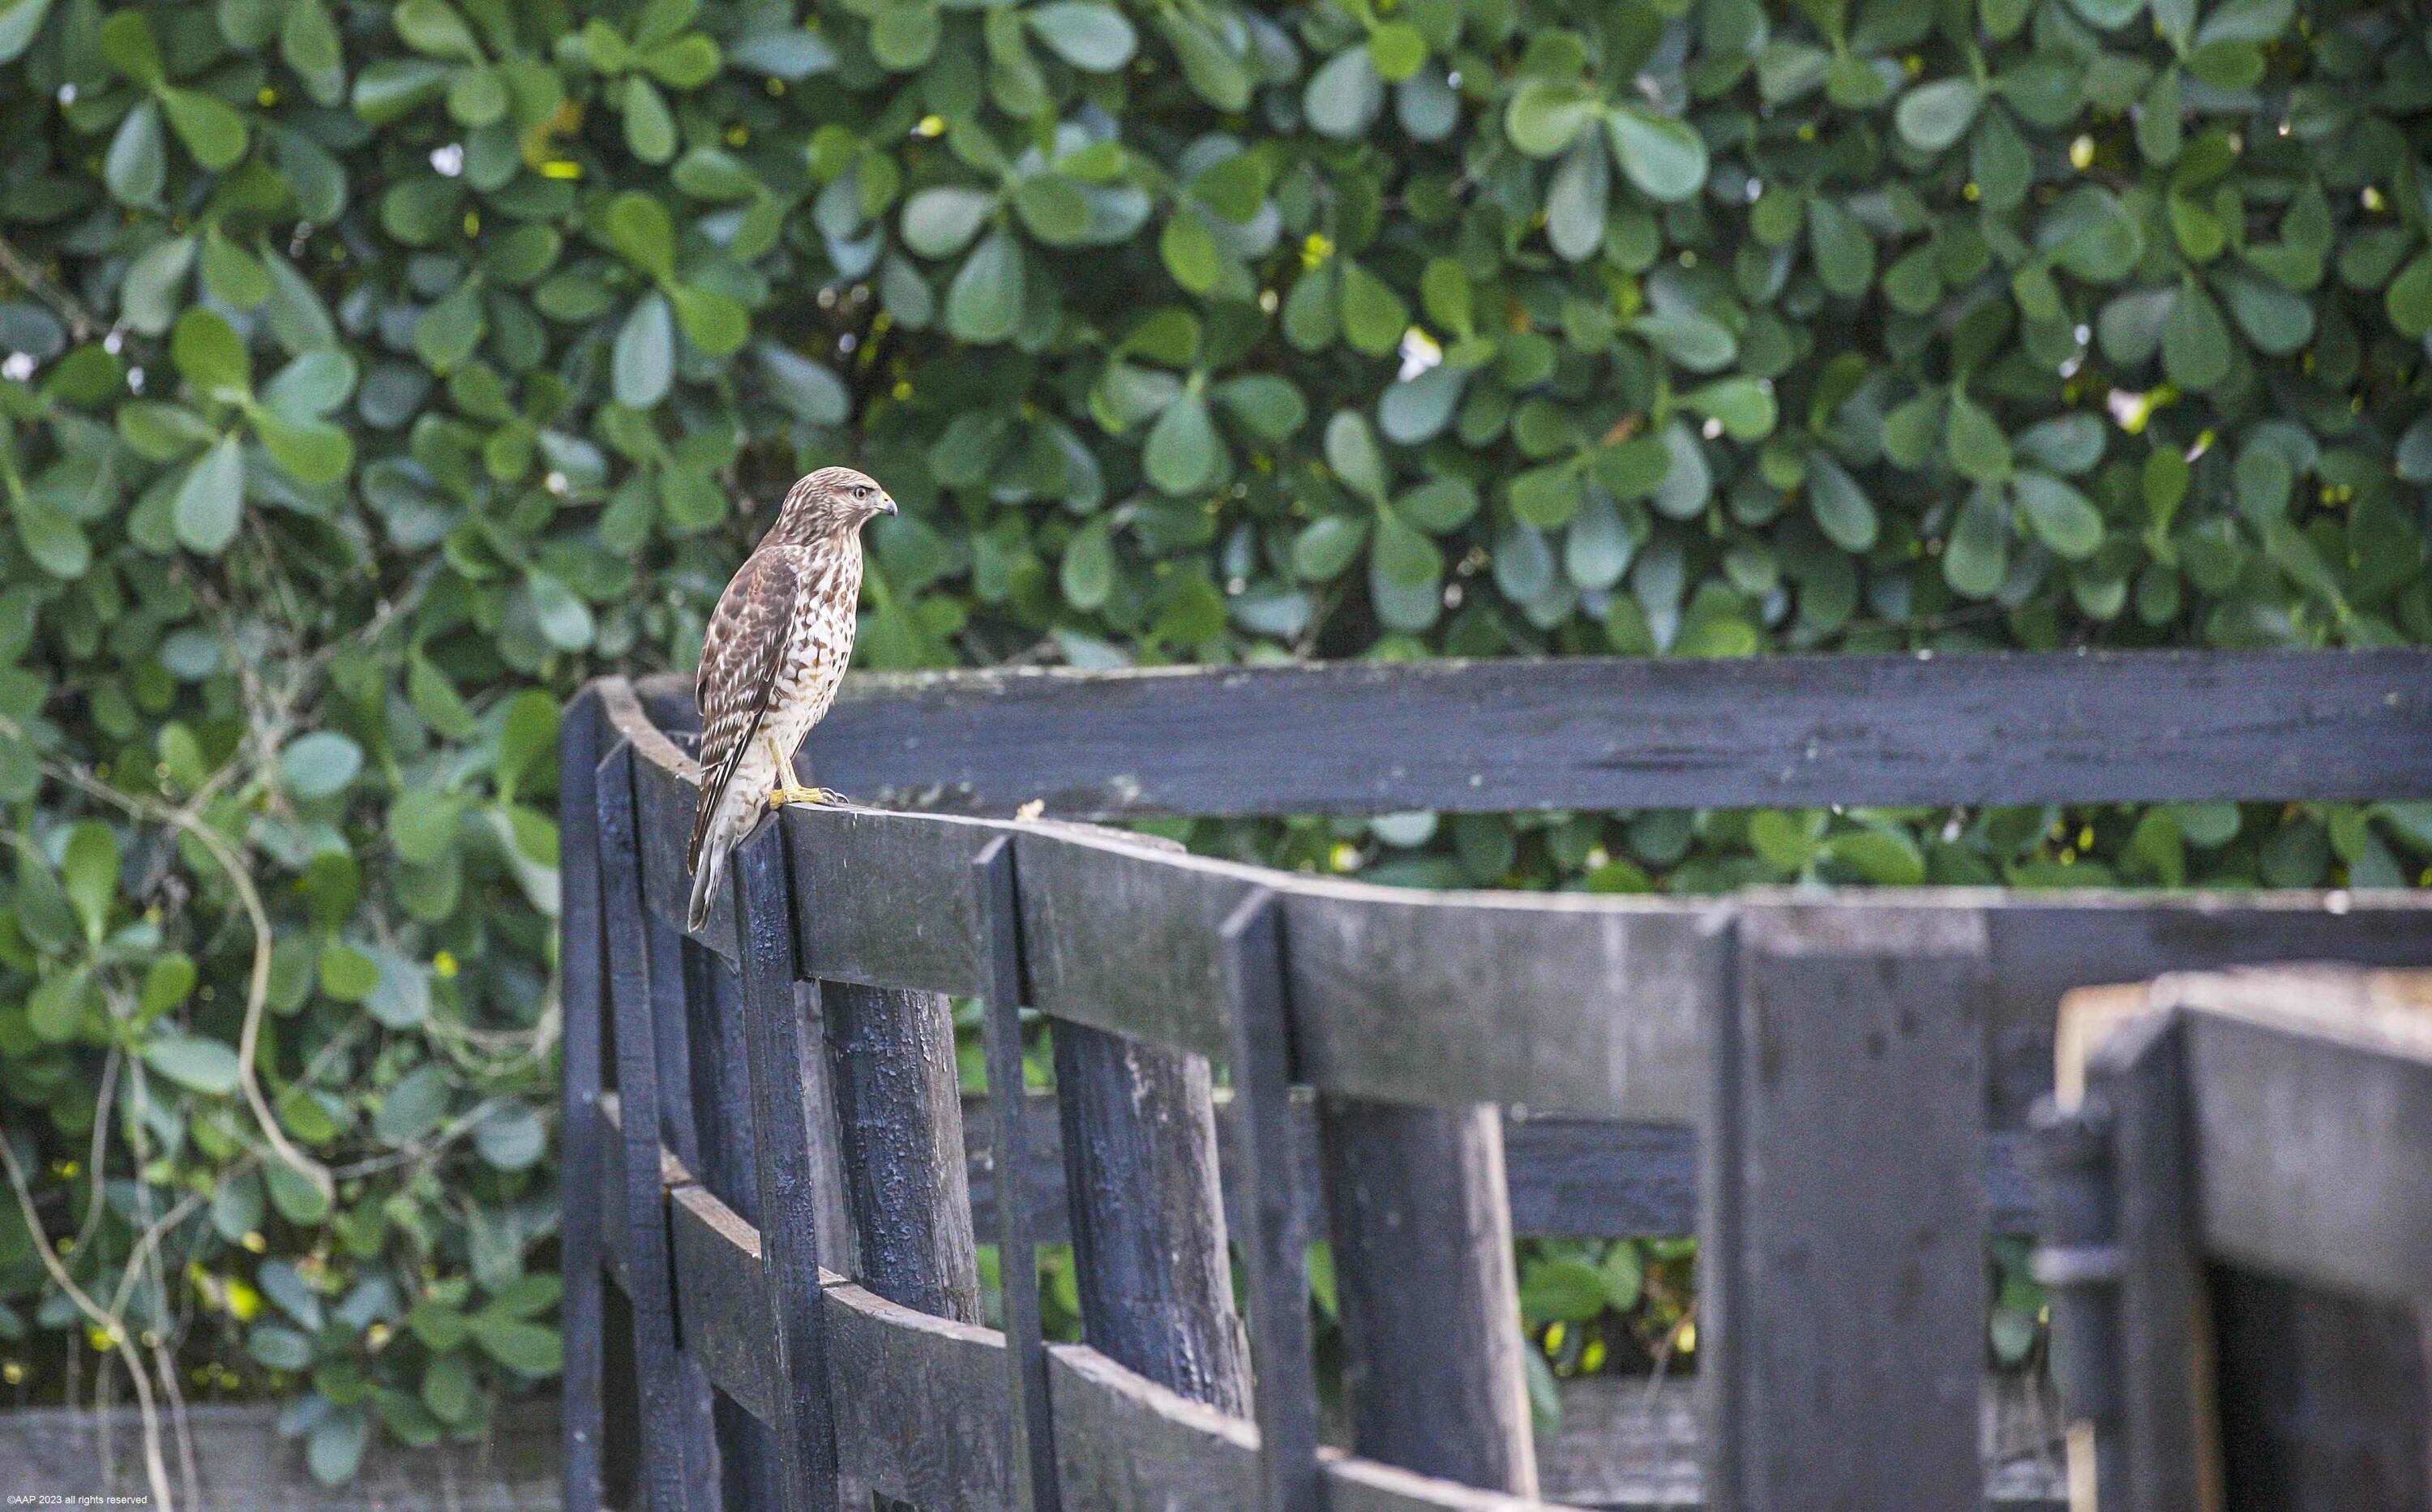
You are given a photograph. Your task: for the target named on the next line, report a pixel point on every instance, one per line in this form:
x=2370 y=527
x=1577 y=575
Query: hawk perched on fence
x=776 y=649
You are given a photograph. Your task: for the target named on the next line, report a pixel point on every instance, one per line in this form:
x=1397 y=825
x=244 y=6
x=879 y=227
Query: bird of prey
x=776 y=649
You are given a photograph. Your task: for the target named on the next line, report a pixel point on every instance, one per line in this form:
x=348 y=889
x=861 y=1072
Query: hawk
x=775 y=650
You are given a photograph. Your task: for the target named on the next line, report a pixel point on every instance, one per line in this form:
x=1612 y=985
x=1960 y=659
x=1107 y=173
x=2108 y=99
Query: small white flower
x=448 y=162
x=67 y=95
x=1711 y=429
x=557 y=484
x=1419 y=353
x=19 y=366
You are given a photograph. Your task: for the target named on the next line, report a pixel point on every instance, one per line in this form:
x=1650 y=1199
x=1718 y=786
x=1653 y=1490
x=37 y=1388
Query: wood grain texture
x=674 y=1474
x=1620 y=733
x=1567 y=1178
x=1842 y=1269
x=777 y=1059
x=892 y=1071
x=1146 y=1215
x=1275 y=1245
x=1432 y=1368
x=1032 y=1453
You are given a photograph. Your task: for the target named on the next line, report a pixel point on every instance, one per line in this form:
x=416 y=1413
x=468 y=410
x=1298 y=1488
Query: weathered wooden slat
x=776 y=1059
x=721 y=1104
x=2311 y=1100
x=722 y=1300
x=1599 y=733
x=1567 y=1176
x=1031 y=1455
x=1842 y=1304
x=1433 y=1373
x=580 y=1058
x=672 y=1450
x=2167 y=1445
x=1275 y=1245
x=1130 y=1445
x=891 y=1068
x=1125 y=1444
x=1117 y=936
x=1146 y=1213
x=921 y=1403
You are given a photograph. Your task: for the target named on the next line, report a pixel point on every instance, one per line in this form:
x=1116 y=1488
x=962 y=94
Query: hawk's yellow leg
x=793 y=791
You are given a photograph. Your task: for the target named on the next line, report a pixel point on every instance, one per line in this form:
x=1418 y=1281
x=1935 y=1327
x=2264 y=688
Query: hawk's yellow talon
x=783 y=796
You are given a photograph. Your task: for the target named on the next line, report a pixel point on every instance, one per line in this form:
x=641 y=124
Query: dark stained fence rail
x=1828 y=1089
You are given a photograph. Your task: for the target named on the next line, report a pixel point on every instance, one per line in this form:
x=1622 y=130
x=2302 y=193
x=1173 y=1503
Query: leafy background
x=371 y=374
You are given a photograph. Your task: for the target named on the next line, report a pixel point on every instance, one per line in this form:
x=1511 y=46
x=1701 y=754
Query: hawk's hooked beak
x=887 y=503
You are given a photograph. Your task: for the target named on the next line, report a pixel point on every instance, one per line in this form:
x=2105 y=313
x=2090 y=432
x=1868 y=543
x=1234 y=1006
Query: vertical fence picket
x=671 y=1015
x=1421 y=1229
x=1033 y=1466
x=790 y=1239
x=1842 y=1299
x=1276 y=1245
x=891 y=1068
x=1147 y=1215
x=580 y=1169
x=2170 y=1454
x=721 y=1101
x=668 y=1470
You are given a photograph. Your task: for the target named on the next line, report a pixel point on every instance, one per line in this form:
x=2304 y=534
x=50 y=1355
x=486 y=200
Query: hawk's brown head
x=832 y=501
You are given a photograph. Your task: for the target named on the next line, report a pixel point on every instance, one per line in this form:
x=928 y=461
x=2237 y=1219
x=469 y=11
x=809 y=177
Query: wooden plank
x=670 y=1014
x=1130 y=1445
x=2168 y=1448
x=722 y=1103
x=722 y=1301
x=1274 y=1244
x=891 y=1069
x=1566 y=1176
x=775 y=1062
x=1117 y=936
x=1125 y=1444
x=1422 y=1230
x=1823 y=1187
x=1032 y=1453
x=671 y=1448
x=920 y=1404
x=1607 y=733
x=1560 y=1002
x=2311 y=1098
x=580 y=734
x=1146 y=1213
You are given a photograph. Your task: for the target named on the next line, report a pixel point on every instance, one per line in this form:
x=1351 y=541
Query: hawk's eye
x=861 y=490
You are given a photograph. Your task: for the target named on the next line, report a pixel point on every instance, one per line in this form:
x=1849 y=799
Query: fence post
x=1276 y=1245
x=721 y=1101
x=2170 y=1452
x=1032 y=1458
x=1147 y=1213
x=1842 y=1315
x=671 y=1456
x=781 y=1137
x=1421 y=1229
x=897 y=1094
x=579 y=989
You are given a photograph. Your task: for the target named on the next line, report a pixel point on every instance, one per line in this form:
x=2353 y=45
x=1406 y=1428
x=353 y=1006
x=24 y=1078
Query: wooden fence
x=2236 y=1186
x=1828 y=1089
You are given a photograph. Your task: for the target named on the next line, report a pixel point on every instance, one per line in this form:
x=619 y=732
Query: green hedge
x=372 y=373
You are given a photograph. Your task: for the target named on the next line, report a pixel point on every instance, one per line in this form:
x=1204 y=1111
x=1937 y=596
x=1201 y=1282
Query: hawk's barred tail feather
x=706 y=875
